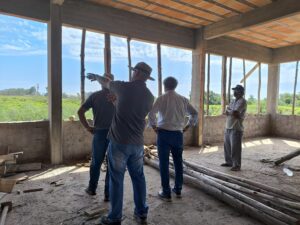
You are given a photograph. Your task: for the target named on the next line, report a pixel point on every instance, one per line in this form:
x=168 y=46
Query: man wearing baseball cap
x=235 y=113
x=126 y=148
x=103 y=112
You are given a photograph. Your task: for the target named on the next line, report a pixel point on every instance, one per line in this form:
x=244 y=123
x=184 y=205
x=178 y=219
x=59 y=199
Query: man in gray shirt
x=172 y=110
x=103 y=112
x=235 y=115
x=133 y=103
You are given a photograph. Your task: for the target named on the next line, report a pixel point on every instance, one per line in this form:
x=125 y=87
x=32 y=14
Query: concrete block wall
x=32 y=138
x=286 y=126
x=255 y=126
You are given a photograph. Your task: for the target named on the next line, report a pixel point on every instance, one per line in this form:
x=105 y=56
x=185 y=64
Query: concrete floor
x=66 y=204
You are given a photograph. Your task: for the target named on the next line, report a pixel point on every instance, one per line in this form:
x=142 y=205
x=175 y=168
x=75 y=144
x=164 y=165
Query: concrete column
x=55 y=83
x=198 y=82
x=273 y=88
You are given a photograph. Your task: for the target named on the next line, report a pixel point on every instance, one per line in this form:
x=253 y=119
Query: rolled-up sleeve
x=152 y=119
x=193 y=114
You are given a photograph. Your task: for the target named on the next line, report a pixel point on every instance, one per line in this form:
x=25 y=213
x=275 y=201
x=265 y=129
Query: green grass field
x=29 y=108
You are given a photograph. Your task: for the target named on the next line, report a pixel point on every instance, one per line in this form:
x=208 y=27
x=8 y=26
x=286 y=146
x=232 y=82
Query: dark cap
x=144 y=68
x=239 y=88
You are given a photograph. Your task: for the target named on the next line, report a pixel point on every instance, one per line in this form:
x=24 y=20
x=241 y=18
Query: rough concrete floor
x=65 y=204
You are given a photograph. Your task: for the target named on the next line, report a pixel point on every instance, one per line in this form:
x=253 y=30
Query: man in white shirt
x=170 y=124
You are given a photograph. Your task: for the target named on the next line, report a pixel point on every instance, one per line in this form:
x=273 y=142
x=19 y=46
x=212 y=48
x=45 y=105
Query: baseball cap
x=144 y=68
x=239 y=88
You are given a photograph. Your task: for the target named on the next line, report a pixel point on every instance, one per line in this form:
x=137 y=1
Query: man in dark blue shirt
x=103 y=112
x=133 y=102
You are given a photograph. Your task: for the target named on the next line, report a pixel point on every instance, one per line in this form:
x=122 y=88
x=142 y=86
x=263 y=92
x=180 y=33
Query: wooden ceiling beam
x=267 y=13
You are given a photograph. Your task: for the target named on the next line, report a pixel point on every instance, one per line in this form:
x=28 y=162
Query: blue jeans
x=100 y=143
x=120 y=156
x=170 y=141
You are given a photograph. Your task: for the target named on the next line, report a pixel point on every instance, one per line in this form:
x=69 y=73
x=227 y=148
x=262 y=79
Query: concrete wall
x=286 y=126
x=32 y=138
x=255 y=126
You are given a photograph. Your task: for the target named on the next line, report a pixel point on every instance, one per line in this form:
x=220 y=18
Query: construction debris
x=95 y=212
x=270 y=205
x=7 y=185
x=282 y=159
x=6 y=207
x=33 y=190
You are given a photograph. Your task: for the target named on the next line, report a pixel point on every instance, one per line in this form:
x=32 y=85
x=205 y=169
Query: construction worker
x=235 y=115
x=172 y=110
x=133 y=102
x=103 y=112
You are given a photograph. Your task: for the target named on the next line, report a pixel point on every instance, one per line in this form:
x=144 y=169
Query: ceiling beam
x=239 y=49
x=267 y=13
x=286 y=54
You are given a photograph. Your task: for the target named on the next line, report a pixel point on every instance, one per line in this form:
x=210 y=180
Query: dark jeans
x=233 y=147
x=120 y=156
x=100 y=143
x=170 y=141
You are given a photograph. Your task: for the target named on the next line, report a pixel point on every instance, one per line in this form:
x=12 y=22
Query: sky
x=23 y=61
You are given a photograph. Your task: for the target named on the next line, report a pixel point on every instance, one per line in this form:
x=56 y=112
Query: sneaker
x=226 y=165
x=164 y=197
x=90 y=192
x=177 y=193
x=235 y=168
x=140 y=219
x=106 y=221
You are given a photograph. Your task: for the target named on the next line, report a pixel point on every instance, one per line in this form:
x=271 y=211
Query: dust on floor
x=65 y=204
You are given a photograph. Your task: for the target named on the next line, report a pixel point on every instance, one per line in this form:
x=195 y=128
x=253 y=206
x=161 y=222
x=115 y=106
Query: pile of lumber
x=267 y=204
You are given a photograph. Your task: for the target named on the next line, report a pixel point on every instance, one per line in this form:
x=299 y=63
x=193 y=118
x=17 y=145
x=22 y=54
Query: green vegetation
x=29 y=105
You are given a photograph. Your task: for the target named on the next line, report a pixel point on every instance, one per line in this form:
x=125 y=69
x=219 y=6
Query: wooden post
x=198 y=82
x=107 y=54
x=223 y=84
x=244 y=74
x=208 y=84
x=259 y=88
x=295 y=87
x=229 y=80
x=159 y=74
x=55 y=83
x=82 y=69
x=129 y=58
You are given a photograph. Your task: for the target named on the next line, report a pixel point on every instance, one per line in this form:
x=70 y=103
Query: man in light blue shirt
x=172 y=110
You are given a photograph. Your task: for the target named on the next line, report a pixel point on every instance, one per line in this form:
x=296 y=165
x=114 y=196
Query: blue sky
x=23 y=60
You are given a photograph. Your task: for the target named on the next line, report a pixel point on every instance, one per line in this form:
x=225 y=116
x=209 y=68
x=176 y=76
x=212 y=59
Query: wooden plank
x=267 y=13
x=159 y=74
x=239 y=49
x=82 y=67
x=15 y=168
x=295 y=88
x=259 y=88
x=244 y=74
x=223 y=83
x=208 y=84
x=107 y=53
x=229 y=81
x=250 y=72
x=129 y=58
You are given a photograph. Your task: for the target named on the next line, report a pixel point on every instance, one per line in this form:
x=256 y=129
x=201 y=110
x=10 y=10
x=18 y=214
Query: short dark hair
x=170 y=83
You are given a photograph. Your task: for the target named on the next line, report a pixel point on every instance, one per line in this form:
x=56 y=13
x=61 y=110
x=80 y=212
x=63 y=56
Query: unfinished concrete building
x=264 y=31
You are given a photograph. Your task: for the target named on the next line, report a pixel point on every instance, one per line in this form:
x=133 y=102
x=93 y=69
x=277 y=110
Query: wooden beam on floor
x=261 y=15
